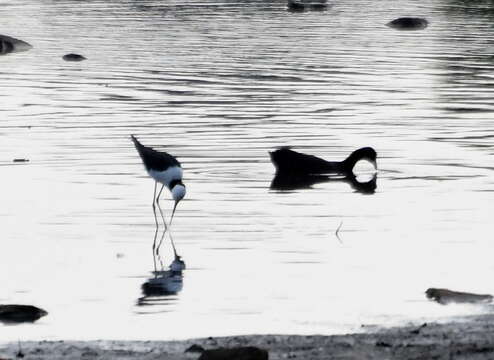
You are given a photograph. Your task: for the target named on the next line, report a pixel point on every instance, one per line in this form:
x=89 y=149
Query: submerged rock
x=408 y=23
x=445 y=296
x=9 y=45
x=73 y=57
x=20 y=313
x=238 y=353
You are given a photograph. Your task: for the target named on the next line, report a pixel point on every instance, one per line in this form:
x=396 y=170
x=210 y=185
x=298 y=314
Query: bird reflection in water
x=303 y=181
x=166 y=281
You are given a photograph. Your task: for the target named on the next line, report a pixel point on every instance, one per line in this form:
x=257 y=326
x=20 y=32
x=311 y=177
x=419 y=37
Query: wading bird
x=164 y=169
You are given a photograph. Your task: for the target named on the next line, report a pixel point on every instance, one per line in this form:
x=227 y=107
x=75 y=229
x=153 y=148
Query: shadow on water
x=286 y=182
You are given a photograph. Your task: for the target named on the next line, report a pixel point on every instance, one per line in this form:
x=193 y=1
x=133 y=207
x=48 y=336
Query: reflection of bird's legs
x=160 y=242
x=154 y=247
x=160 y=258
x=159 y=207
x=173 y=246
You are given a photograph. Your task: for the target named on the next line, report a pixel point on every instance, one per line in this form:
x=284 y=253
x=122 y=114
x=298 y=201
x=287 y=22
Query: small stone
x=417 y=330
x=382 y=344
x=238 y=353
x=408 y=23
x=195 y=349
x=73 y=57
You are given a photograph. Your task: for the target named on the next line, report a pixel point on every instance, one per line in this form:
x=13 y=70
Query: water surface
x=219 y=84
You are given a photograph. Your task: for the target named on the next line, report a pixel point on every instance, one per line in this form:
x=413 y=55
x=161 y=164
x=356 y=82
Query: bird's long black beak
x=173 y=212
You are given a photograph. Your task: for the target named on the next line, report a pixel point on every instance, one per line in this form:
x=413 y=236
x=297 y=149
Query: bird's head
x=366 y=153
x=178 y=193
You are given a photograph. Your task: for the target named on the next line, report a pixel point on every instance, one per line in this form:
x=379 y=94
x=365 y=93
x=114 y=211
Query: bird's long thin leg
x=162 y=218
x=159 y=207
x=156 y=249
x=154 y=206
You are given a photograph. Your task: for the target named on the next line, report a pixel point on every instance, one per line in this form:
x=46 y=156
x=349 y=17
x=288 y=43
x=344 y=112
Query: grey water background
x=219 y=84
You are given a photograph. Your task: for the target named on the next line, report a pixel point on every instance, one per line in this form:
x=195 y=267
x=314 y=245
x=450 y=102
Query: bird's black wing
x=154 y=160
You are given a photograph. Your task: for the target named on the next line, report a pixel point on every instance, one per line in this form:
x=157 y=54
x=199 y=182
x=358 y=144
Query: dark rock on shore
x=445 y=296
x=471 y=338
x=20 y=313
x=194 y=348
x=408 y=23
x=73 y=57
x=238 y=353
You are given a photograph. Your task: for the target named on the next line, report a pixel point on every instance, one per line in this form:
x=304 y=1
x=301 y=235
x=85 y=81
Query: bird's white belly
x=165 y=177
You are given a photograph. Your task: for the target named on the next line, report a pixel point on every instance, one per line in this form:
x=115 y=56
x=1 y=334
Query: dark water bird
x=9 y=45
x=164 y=169
x=286 y=182
x=73 y=57
x=20 y=313
x=289 y=162
x=408 y=23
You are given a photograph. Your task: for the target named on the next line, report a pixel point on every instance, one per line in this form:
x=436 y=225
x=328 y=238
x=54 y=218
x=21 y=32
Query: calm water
x=219 y=84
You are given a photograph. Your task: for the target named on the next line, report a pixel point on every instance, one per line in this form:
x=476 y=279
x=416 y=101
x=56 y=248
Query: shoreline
x=465 y=338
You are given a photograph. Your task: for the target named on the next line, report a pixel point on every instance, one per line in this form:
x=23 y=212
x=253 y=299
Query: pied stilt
x=164 y=169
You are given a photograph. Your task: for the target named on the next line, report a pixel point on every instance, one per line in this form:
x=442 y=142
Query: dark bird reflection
x=282 y=181
x=165 y=281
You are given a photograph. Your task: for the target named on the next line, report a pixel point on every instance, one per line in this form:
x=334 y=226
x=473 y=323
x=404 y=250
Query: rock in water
x=295 y=5
x=9 y=45
x=73 y=57
x=20 y=313
x=238 y=353
x=408 y=23
x=445 y=296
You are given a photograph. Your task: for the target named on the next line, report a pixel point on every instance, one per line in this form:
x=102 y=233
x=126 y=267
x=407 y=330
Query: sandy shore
x=471 y=338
